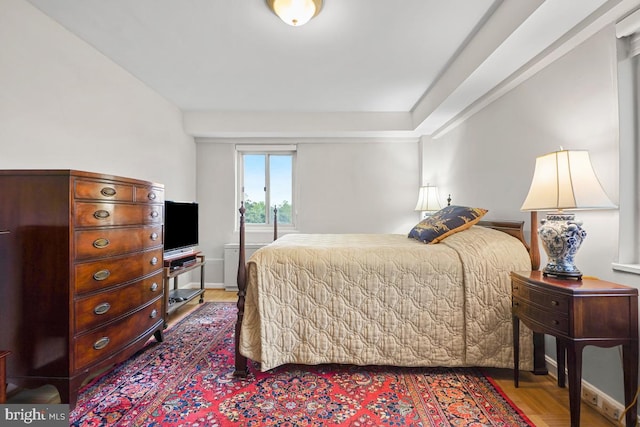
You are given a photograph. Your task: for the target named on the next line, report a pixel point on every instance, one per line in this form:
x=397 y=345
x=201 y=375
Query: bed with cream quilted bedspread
x=384 y=299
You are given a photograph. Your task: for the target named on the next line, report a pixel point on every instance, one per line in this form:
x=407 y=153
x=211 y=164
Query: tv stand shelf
x=176 y=298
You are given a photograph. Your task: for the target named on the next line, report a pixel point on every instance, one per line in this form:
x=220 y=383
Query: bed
x=384 y=299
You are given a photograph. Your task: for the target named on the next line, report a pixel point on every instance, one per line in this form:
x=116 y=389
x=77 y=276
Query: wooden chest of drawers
x=81 y=255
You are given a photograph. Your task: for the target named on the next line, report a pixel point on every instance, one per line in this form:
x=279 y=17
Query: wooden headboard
x=516 y=229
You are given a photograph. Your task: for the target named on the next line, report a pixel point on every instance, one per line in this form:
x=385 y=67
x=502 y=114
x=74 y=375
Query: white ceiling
x=361 y=67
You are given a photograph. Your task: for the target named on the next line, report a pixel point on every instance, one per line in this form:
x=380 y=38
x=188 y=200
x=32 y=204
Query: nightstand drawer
x=552 y=322
x=547 y=300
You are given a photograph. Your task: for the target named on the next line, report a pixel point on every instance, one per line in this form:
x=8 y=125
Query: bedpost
x=533 y=247
x=539 y=362
x=241 y=361
x=275 y=223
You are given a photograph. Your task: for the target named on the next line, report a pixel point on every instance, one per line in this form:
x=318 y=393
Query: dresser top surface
x=572 y=286
x=73 y=173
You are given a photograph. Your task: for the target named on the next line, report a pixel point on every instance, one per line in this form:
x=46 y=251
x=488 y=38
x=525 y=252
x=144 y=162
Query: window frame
x=628 y=47
x=267 y=150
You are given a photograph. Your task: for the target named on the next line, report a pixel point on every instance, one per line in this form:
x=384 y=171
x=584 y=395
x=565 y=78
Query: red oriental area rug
x=188 y=381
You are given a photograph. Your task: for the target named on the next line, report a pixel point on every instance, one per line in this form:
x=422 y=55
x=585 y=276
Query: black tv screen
x=180 y=225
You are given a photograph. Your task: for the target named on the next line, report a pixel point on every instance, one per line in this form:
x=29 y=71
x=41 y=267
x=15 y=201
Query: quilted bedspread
x=384 y=299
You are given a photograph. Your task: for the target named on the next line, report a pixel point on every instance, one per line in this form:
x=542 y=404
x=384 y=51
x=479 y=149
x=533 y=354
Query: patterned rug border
x=190 y=382
x=505 y=397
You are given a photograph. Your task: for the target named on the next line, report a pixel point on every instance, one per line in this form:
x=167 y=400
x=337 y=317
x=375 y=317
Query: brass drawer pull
x=555 y=322
x=108 y=192
x=151 y=196
x=101 y=343
x=101 y=243
x=154 y=287
x=153 y=261
x=154 y=214
x=102 y=308
x=153 y=314
x=101 y=275
x=101 y=214
x=554 y=302
x=154 y=236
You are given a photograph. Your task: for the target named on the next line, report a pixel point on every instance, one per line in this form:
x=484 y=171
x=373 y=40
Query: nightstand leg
x=539 y=362
x=561 y=352
x=574 y=362
x=630 y=372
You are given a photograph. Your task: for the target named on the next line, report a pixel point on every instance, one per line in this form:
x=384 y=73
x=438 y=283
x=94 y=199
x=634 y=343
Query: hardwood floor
x=543 y=402
x=538 y=396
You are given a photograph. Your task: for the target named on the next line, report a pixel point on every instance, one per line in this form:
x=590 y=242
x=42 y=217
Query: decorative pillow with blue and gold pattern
x=446 y=222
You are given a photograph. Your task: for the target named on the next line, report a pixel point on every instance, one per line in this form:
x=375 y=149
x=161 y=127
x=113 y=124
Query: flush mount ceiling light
x=295 y=12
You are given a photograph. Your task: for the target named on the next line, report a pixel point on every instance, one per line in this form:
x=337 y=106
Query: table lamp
x=564 y=180
x=428 y=202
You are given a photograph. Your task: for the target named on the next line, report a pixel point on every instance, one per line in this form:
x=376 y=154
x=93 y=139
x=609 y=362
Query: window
x=629 y=97
x=265 y=182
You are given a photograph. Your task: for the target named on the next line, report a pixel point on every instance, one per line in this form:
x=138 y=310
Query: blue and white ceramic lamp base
x=561 y=236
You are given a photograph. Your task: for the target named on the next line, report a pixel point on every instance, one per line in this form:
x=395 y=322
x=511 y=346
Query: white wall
x=488 y=161
x=345 y=187
x=216 y=196
x=357 y=187
x=64 y=105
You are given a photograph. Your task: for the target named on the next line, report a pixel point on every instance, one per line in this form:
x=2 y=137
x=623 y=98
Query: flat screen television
x=180 y=226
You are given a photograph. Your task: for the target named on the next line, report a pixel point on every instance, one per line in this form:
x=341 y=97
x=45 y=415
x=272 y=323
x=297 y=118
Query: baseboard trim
x=196 y=285
x=552 y=367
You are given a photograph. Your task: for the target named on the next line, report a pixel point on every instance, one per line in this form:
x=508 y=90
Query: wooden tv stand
x=175 y=297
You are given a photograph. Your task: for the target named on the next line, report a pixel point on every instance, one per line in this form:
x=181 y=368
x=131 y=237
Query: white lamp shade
x=428 y=199
x=565 y=180
x=295 y=12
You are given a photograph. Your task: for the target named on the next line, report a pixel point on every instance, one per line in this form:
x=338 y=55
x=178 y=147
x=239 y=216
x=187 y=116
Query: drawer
x=115 y=241
x=102 y=308
x=96 y=190
x=108 y=340
x=96 y=275
x=149 y=194
x=545 y=299
x=552 y=322
x=101 y=214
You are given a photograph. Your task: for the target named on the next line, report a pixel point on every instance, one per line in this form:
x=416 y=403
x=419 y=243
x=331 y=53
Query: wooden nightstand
x=578 y=313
